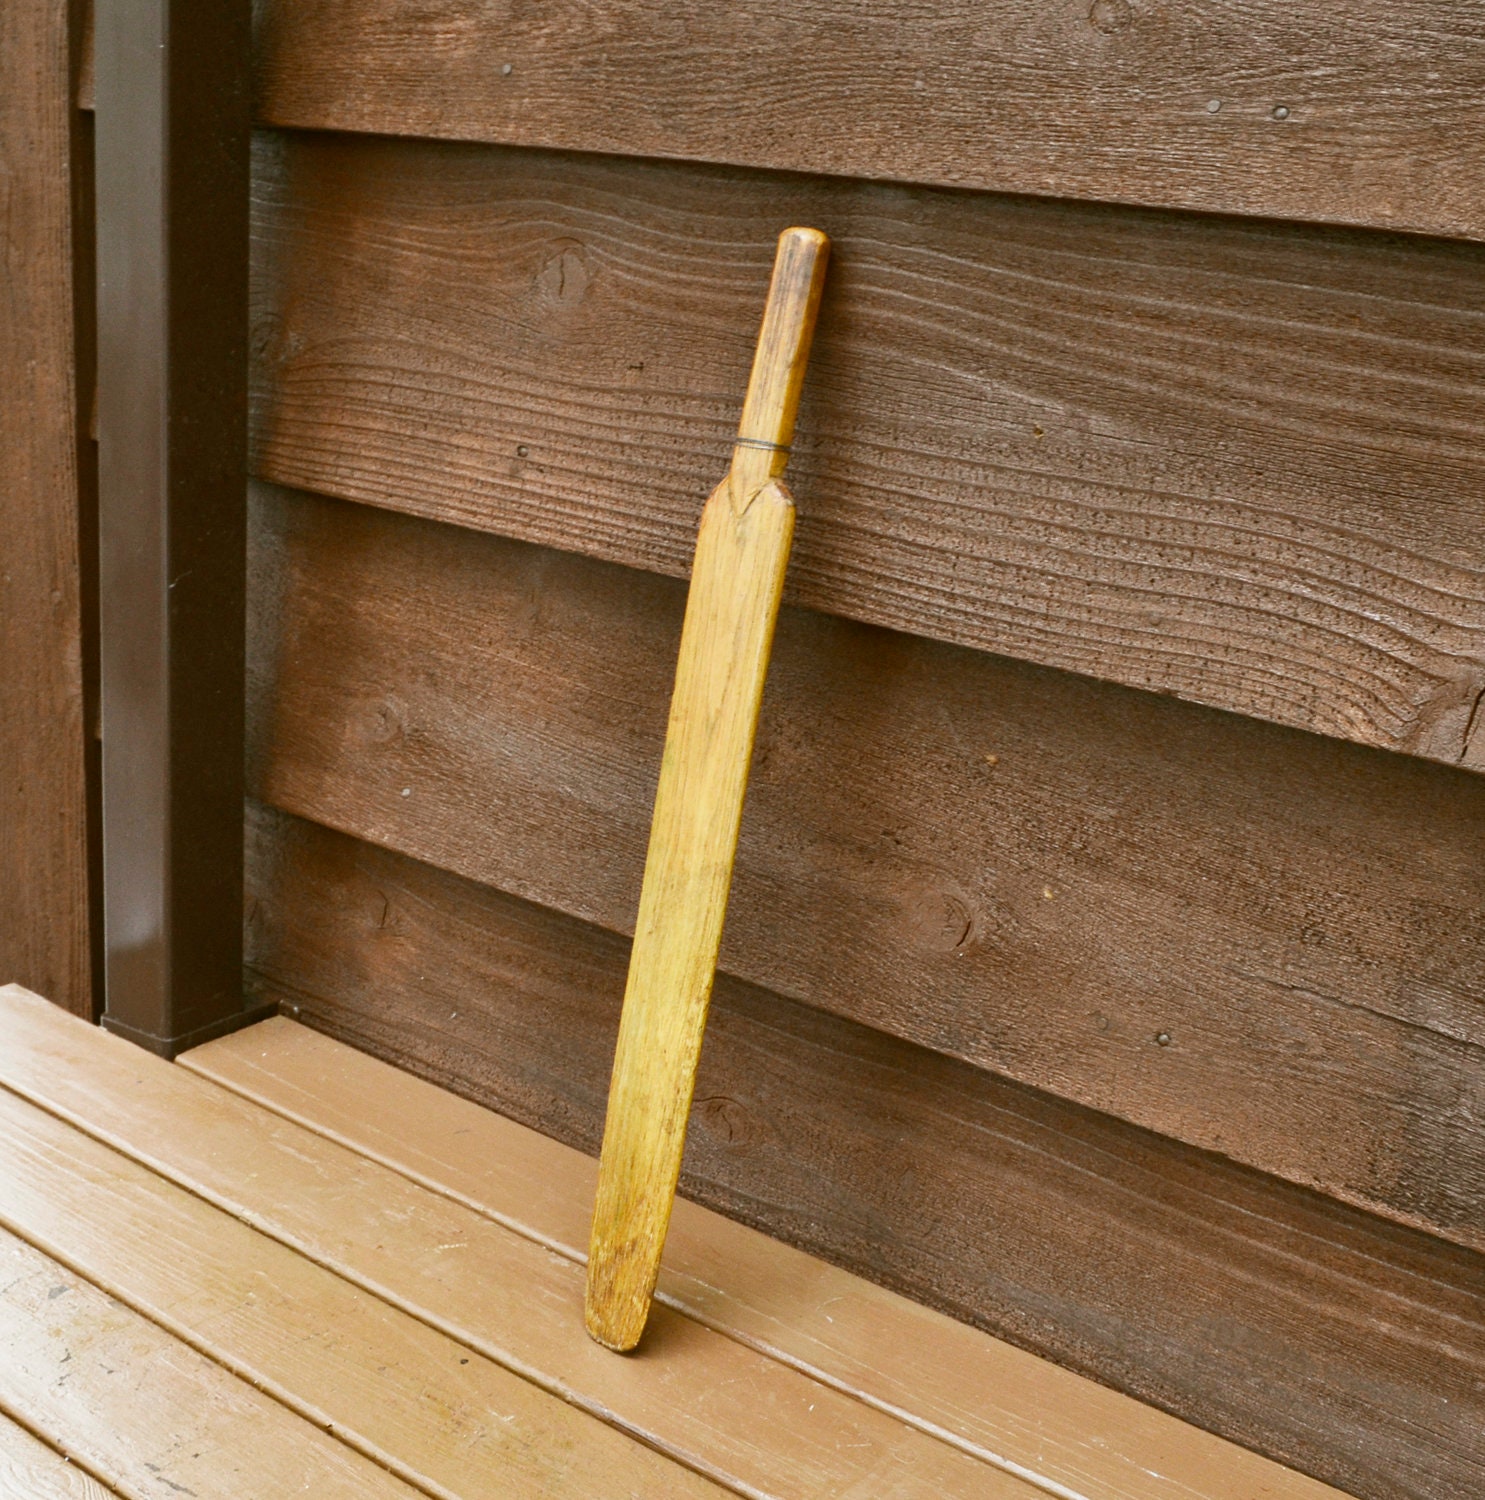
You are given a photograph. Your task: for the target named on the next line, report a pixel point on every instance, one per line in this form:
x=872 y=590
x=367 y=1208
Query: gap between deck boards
x=323 y=1197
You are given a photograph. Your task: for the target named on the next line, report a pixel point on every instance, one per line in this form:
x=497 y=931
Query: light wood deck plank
x=997 y=1401
x=29 y=1470
x=720 y=1407
x=150 y=1415
x=431 y=1410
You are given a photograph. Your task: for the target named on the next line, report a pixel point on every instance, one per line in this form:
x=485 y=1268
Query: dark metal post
x=172 y=195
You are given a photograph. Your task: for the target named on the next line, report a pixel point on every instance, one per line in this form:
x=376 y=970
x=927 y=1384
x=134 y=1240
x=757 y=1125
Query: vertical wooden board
x=1275 y=107
x=442 y=1417
x=171 y=189
x=1240 y=463
x=899 y=1354
x=30 y=1470
x=85 y=74
x=1037 y=873
x=44 y=940
x=719 y=1408
x=147 y=1413
x=1330 y=1339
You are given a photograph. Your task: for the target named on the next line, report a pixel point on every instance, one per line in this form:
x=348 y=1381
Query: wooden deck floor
x=279 y=1267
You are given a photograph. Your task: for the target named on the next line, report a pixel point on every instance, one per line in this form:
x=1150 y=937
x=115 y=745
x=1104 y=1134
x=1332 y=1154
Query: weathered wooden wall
x=46 y=480
x=1236 y=462
x=1028 y=870
x=1369 y=116
x=1323 y=1336
x=1107 y=956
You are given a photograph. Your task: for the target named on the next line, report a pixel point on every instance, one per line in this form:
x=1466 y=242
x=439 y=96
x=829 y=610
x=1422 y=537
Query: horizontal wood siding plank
x=1238 y=463
x=1278 y=107
x=1257 y=941
x=1332 y=1340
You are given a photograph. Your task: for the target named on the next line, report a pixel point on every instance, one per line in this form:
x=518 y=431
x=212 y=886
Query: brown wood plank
x=1268 y=107
x=144 y=1411
x=172 y=172
x=721 y=1409
x=906 y=1358
x=442 y=1417
x=29 y=1470
x=1324 y=1337
x=43 y=813
x=1238 y=463
x=1036 y=873
x=86 y=78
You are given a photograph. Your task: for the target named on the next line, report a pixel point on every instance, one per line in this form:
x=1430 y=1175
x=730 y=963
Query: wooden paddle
x=741 y=552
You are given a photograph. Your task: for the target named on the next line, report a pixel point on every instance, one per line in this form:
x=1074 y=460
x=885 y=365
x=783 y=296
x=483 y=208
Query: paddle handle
x=784 y=340
x=737 y=579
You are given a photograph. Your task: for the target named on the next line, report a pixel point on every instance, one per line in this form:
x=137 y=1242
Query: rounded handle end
x=784 y=340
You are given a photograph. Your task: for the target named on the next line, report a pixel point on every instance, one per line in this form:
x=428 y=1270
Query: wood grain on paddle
x=737 y=582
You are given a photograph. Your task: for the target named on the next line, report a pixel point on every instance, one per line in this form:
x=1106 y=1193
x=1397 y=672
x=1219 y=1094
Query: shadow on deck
x=280 y=1267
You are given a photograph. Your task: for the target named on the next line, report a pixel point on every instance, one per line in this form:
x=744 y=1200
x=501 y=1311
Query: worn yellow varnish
x=741 y=553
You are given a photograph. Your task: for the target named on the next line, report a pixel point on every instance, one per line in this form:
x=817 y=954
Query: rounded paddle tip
x=616 y=1323
x=811 y=239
